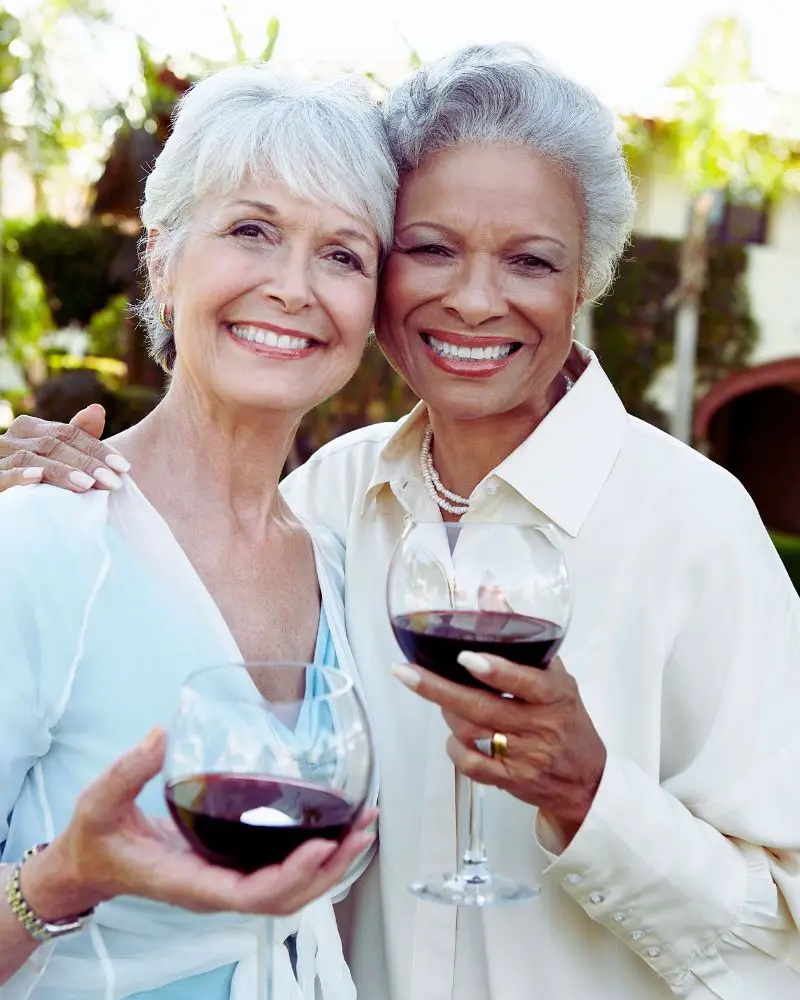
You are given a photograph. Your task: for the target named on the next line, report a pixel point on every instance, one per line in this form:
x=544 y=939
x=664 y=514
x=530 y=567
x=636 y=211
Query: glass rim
x=343 y=682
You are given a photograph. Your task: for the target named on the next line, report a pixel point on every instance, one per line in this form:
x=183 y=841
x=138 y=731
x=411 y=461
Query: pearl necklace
x=446 y=499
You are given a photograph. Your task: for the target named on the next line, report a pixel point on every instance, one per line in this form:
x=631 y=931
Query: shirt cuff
x=661 y=880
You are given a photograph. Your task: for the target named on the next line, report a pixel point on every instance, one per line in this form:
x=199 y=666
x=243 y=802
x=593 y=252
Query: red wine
x=246 y=822
x=433 y=639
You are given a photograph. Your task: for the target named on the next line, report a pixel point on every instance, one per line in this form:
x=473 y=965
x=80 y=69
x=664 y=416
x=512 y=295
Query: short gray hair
x=324 y=141
x=508 y=95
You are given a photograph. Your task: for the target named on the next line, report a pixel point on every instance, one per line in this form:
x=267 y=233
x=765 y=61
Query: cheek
x=352 y=311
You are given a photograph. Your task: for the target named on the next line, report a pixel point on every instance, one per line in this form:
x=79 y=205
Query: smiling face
x=479 y=293
x=273 y=298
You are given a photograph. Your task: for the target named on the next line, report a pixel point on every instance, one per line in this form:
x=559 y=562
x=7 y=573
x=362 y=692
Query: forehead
x=496 y=187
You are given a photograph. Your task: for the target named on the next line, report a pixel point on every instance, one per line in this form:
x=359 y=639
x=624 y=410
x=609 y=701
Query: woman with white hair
x=650 y=781
x=266 y=214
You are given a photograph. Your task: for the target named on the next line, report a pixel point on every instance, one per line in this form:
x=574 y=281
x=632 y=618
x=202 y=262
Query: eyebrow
x=453 y=235
x=270 y=210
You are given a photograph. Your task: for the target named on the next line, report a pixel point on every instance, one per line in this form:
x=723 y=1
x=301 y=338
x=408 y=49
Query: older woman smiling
x=657 y=758
x=262 y=272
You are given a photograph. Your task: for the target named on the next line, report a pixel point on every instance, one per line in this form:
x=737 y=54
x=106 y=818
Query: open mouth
x=492 y=352
x=257 y=335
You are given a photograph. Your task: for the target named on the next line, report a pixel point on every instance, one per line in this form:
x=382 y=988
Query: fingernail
x=36 y=473
x=109 y=479
x=408 y=675
x=474 y=662
x=81 y=480
x=151 y=741
x=118 y=463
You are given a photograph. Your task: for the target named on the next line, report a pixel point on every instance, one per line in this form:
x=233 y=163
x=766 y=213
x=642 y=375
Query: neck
x=199 y=456
x=466 y=451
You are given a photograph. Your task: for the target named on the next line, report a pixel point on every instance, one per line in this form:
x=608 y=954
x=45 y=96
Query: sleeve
x=700 y=874
x=24 y=736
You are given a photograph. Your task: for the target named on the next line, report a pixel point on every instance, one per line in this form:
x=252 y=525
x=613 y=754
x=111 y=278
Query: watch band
x=40 y=930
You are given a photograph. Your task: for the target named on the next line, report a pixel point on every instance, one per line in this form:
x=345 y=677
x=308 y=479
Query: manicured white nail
x=108 y=478
x=34 y=473
x=408 y=675
x=474 y=662
x=117 y=463
x=81 y=480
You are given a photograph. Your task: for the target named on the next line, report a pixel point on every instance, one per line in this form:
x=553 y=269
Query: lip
x=468 y=340
x=464 y=368
x=265 y=351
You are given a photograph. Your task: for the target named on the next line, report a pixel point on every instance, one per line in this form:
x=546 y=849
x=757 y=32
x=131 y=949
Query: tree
x=715 y=157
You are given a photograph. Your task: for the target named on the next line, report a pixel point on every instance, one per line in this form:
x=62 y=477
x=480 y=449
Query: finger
x=531 y=684
x=309 y=885
x=65 y=475
x=91 y=419
x=481 y=707
x=20 y=477
x=464 y=730
x=475 y=765
x=100 y=453
x=127 y=776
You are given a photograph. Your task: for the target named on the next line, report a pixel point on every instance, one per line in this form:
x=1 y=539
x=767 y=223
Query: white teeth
x=269 y=338
x=448 y=350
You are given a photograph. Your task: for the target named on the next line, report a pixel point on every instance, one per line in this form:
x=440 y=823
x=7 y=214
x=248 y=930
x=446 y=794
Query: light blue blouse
x=216 y=985
x=102 y=619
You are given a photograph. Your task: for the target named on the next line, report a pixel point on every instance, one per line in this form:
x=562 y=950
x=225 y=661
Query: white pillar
x=687 y=319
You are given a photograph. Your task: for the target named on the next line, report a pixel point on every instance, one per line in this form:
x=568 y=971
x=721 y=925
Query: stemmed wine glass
x=262 y=757
x=488 y=588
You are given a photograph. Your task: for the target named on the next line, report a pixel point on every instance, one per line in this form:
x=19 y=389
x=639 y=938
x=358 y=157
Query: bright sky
x=616 y=46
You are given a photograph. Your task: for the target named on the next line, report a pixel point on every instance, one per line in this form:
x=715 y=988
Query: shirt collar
x=559 y=469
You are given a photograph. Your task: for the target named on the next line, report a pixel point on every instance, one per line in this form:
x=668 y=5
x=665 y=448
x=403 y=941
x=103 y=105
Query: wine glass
x=262 y=757
x=487 y=588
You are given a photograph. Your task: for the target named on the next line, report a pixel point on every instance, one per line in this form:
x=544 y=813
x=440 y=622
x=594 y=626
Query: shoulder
x=686 y=490
x=331 y=484
x=357 y=450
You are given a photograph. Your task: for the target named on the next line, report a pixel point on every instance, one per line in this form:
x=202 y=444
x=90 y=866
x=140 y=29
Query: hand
x=110 y=849
x=34 y=450
x=555 y=756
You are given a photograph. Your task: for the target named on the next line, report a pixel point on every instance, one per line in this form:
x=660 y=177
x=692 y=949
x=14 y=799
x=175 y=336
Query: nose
x=289 y=284
x=476 y=293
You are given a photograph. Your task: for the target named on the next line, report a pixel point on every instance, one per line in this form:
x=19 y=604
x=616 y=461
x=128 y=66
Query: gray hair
x=324 y=141
x=506 y=94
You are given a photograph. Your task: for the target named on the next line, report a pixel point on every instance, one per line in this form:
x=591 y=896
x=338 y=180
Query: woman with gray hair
x=266 y=217
x=648 y=777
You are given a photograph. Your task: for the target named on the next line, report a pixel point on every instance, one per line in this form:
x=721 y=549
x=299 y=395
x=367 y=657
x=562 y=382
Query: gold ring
x=499 y=745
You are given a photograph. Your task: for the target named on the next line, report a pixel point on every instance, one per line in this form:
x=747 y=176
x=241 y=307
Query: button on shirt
x=684 y=878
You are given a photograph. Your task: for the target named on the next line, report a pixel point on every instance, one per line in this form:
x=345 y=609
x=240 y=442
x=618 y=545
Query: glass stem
x=474 y=865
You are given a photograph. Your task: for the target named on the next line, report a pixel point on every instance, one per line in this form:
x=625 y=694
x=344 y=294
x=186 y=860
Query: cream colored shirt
x=685 y=641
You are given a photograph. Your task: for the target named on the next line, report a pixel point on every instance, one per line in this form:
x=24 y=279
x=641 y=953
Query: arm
x=699 y=874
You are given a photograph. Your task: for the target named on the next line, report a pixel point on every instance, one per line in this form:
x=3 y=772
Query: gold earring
x=165 y=316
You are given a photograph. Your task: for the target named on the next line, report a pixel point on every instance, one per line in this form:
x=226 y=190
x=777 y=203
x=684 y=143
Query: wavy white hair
x=324 y=141
x=507 y=94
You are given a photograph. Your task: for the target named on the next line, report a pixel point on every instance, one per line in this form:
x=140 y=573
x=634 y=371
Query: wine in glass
x=262 y=757
x=487 y=588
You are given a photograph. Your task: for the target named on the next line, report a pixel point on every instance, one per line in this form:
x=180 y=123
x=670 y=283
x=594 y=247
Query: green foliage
x=76 y=265
x=108 y=328
x=24 y=313
x=788 y=547
x=634 y=331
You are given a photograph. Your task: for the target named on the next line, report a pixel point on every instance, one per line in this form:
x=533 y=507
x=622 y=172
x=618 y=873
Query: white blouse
x=685 y=641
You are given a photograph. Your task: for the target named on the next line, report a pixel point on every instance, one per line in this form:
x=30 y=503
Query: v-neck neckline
x=201 y=592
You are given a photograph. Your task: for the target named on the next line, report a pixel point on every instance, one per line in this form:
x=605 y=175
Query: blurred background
x=701 y=333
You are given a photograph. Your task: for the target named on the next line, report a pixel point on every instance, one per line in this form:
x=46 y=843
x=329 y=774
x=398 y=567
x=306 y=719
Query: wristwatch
x=40 y=930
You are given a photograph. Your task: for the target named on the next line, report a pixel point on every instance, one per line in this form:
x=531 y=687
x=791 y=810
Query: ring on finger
x=494 y=746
